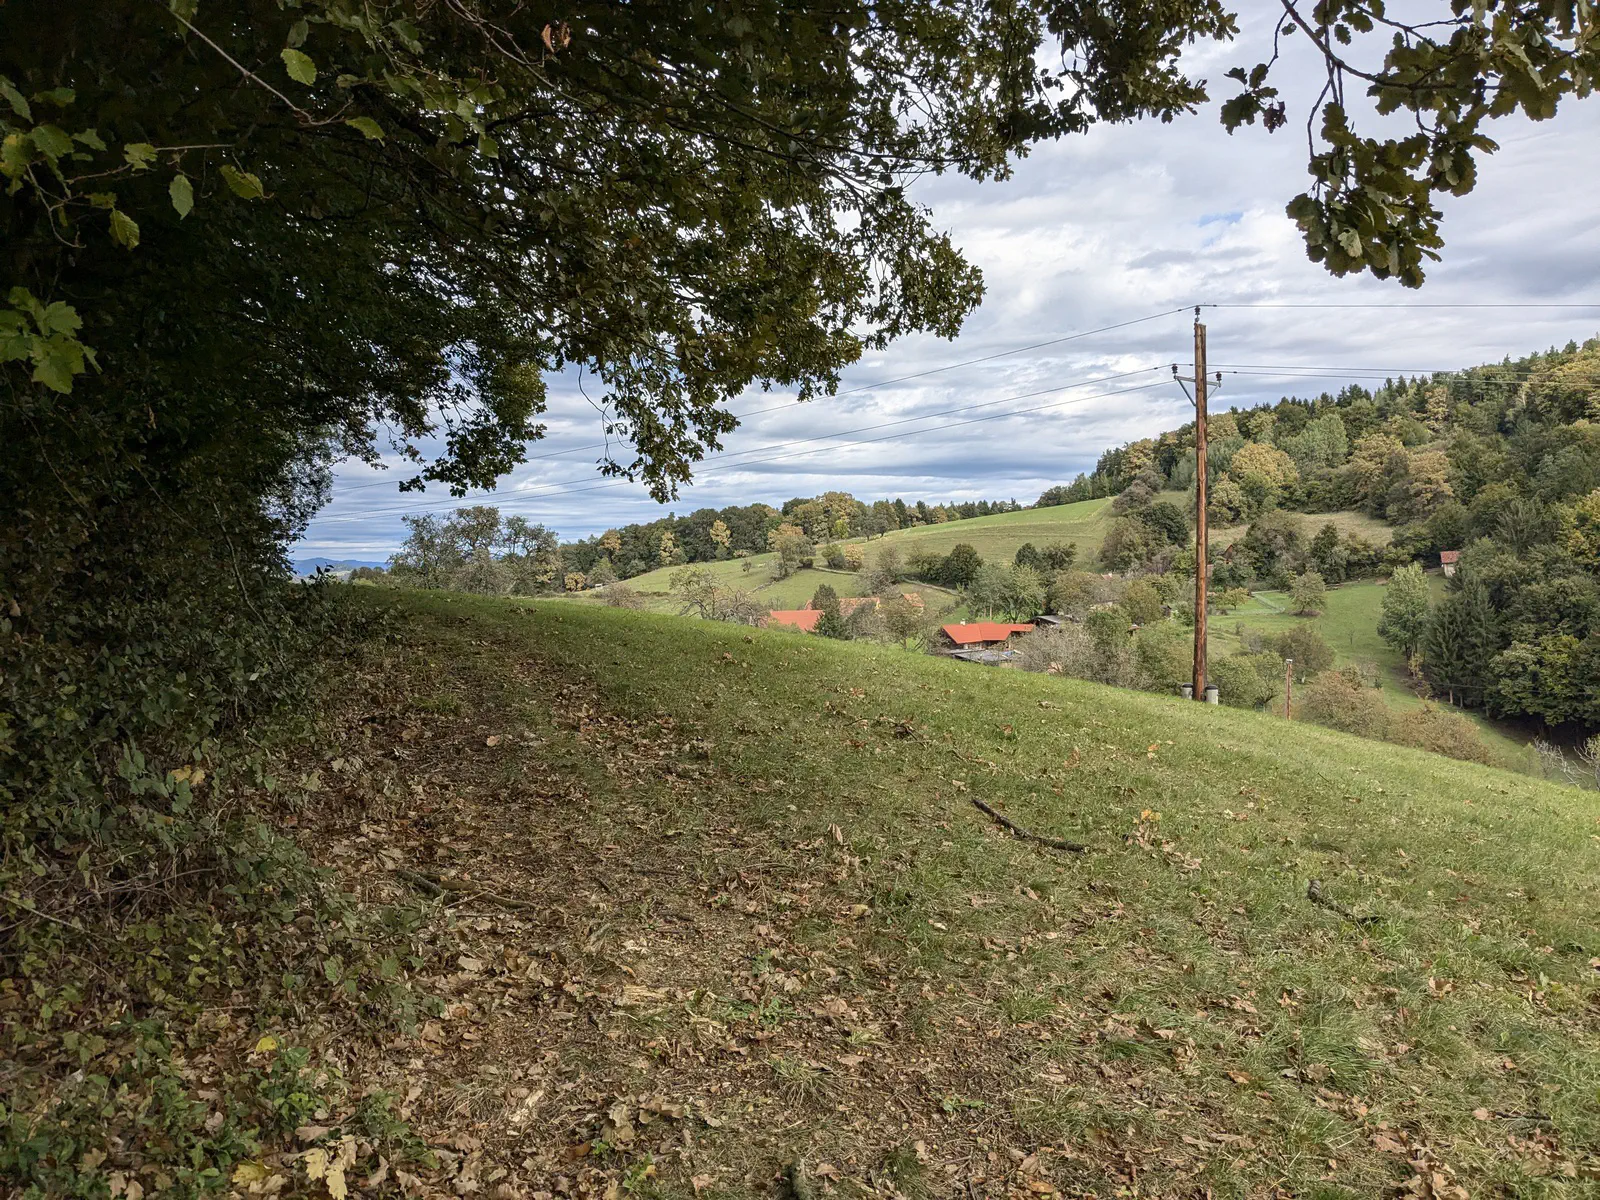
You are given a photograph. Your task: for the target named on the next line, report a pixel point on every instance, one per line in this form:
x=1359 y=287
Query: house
x=1448 y=560
x=913 y=598
x=980 y=635
x=849 y=604
x=803 y=619
x=1048 y=621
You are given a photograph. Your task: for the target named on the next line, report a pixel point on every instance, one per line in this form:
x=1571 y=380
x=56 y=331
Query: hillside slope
x=996 y=538
x=742 y=913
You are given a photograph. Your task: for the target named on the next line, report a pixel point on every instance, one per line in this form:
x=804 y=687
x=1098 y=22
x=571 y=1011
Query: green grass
x=1350 y=627
x=997 y=538
x=1165 y=1014
x=1379 y=533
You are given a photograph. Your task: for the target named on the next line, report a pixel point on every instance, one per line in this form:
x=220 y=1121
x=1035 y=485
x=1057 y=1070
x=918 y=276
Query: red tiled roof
x=798 y=618
x=983 y=631
x=913 y=598
x=849 y=604
x=1449 y=555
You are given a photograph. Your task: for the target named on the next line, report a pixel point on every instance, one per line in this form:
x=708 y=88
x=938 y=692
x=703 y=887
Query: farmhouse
x=803 y=619
x=980 y=635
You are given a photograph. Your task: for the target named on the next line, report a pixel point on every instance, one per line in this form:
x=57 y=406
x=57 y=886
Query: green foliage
x=1246 y=680
x=135 y=842
x=1141 y=602
x=1342 y=700
x=1166 y=520
x=1272 y=545
x=1405 y=609
x=1305 y=646
x=1309 y=593
x=1128 y=544
x=960 y=567
x=1459 y=643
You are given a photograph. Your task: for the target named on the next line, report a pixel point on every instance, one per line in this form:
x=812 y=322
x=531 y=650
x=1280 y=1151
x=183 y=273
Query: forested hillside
x=1500 y=463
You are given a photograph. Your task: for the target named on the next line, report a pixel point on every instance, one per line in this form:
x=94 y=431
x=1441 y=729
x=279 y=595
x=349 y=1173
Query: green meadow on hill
x=996 y=538
x=725 y=910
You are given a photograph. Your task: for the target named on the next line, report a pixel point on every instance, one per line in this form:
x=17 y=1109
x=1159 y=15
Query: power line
x=1369 y=304
x=871 y=387
x=842 y=446
x=793 y=442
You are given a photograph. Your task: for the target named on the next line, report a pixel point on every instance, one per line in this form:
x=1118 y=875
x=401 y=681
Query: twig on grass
x=1314 y=894
x=1025 y=834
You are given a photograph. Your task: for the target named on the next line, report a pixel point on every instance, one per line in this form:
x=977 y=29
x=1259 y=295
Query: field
x=1350 y=627
x=1379 y=533
x=722 y=910
x=996 y=538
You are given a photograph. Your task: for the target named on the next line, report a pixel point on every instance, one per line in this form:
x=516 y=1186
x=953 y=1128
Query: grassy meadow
x=1350 y=627
x=997 y=538
x=747 y=923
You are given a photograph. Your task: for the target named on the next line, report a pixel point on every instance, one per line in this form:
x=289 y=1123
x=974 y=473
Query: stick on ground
x=1314 y=894
x=433 y=885
x=1025 y=834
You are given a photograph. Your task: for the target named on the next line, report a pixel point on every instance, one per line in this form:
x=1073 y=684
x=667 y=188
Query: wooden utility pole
x=1288 y=689
x=1201 y=549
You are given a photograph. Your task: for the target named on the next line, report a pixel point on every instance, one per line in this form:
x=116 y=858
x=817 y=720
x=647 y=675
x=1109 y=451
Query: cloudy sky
x=1107 y=229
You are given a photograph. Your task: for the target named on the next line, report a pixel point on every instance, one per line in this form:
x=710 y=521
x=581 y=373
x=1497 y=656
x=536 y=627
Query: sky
x=1126 y=226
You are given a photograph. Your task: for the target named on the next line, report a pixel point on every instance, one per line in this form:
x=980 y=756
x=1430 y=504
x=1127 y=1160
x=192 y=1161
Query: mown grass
x=1164 y=1014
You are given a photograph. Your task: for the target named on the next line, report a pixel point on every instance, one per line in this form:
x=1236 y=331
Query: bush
x=833 y=555
x=1442 y=732
x=1127 y=544
x=1340 y=700
x=620 y=595
x=1246 y=680
x=1141 y=602
x=1305 y=646
x=1073 y=651
x=1164 y=655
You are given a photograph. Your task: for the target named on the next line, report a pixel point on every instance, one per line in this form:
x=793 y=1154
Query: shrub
x=833 y=555
x=1305 y=646
x=1435 y=729
x=1141 y=602
x=1339 y=700
x=854 y=557
x=622 y=596
x=1245 y=680
x=1164 y=655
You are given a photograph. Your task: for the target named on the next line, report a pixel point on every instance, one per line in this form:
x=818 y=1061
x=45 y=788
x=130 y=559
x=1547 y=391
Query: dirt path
x=671 y=1001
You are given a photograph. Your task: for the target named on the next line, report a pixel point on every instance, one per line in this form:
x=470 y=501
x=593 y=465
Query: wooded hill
x=1500 y=463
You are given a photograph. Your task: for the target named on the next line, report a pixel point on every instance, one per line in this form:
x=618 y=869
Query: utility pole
x=1288 y=689
x=1201 y=549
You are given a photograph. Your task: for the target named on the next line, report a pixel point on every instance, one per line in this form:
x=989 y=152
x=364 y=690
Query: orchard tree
x=1309 y=593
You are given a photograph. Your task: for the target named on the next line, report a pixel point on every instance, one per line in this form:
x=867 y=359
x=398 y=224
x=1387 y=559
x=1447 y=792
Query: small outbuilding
x=1448 y=559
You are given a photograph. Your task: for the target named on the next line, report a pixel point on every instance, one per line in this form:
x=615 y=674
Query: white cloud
x=1118 y=224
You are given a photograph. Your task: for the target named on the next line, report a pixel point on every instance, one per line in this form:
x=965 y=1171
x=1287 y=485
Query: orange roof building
x=804 y=619
x=983 y=633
